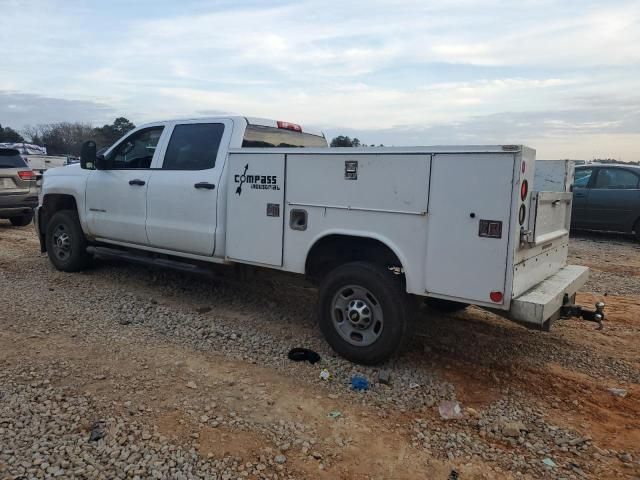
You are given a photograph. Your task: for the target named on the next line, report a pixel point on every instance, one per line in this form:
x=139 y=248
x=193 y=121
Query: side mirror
x=88 y=155
x=101 y=162
x=571 y=187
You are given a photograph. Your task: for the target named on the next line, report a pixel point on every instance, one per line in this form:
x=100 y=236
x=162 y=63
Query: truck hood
x=68 y=170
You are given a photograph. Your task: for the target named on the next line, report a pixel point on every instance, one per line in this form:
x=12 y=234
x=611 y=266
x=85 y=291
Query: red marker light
x=496 y=297
x=26 y=175
x=289 y=126
x=524 y=190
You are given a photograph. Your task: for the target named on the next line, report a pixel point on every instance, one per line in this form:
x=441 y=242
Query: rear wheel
x=66 y=243
x=22 y=220
x=363 y=312
x=636 y=229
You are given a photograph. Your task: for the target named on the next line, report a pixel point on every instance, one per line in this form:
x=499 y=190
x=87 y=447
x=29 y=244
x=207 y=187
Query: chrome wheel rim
x=357 y=315
x=61 y=242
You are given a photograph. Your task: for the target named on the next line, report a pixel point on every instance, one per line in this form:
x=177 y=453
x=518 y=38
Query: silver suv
x=18 y=191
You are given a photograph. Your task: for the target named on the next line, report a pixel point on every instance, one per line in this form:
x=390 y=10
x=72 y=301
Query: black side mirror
x=88 y=155
x=571 y=187
x=101 y=162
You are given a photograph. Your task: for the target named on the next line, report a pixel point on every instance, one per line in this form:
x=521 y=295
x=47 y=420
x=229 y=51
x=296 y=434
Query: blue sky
x=561 y=76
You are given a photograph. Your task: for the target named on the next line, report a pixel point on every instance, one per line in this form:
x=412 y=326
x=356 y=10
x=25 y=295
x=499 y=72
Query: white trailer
x=375 y=227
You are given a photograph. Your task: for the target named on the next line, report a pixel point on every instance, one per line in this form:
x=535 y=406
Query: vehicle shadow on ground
x=472 y=337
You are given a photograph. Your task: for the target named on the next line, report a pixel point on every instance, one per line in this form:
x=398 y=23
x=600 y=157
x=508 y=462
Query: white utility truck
x=374 y=227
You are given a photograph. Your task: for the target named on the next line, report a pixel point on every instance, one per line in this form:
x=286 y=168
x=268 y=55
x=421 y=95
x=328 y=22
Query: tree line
x=66 y=138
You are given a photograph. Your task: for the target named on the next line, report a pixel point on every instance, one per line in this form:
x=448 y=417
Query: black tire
x=445 y=306
x=636 y=229
x=389 y=309
x=70 y=254
x=22 y=220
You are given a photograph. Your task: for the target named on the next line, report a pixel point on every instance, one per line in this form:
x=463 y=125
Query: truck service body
x=374 y=226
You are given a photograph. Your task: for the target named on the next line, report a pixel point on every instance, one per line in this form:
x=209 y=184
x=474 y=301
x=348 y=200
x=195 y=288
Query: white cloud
x=374 y=65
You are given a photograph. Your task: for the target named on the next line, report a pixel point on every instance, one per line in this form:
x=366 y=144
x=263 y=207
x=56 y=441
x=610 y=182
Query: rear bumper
x=12 y=205
x=543 y=301
x=16 y=209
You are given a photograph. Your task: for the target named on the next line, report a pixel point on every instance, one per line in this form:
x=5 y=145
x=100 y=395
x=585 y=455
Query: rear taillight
x=289 y=126
x=26 y=175
x=496 y=297
x=524 y=190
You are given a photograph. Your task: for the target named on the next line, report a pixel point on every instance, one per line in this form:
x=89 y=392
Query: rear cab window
x=259 y=136
x=10 y=158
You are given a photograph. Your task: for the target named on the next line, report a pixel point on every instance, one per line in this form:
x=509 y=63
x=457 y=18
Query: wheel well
x=334 y=250
x=57 y=201
x=51 y=204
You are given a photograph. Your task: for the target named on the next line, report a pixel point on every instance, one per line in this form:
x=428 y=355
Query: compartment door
x=255 y=208
x=468 y=225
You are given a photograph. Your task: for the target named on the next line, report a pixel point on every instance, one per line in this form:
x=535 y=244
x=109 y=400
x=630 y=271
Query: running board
x=106 y=252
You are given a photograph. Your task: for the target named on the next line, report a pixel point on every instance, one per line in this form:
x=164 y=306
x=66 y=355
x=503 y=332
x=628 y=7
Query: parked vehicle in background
x=37 y=158
x=18 y=192
x=607 y=197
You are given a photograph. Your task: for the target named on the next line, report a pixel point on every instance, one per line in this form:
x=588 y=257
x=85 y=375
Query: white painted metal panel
x=537 y=305
x=551 y=216
x=553 y=175
x=391 y=183
x=464 y=190
x=254 y=197
x=534 y=270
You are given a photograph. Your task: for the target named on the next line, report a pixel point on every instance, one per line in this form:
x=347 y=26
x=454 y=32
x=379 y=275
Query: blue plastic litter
x=359 y=383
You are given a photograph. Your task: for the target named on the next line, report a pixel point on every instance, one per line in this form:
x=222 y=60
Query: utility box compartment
x=255 y=208
x=469 y=225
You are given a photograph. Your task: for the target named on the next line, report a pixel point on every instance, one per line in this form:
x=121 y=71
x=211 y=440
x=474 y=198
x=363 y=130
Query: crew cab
x=376 y=228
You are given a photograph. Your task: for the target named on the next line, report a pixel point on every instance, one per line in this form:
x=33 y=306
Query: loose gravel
x=46 y=421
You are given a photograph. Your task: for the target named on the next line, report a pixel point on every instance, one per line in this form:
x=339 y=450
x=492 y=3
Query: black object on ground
x=97 y=431
x=303 y=354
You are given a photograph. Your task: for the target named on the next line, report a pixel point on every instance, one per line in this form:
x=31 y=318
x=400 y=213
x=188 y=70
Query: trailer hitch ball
x=569 y=310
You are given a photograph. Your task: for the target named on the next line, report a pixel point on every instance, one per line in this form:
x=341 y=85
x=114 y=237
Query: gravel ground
x=187 y=377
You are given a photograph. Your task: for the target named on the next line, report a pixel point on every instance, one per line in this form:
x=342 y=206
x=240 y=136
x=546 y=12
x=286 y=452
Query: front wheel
x=66 y=243
x=363 y=312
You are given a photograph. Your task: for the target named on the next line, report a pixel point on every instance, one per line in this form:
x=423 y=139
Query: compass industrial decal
x=257 y=182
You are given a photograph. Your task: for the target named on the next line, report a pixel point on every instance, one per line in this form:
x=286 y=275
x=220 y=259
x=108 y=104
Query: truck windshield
x=10 y=158
x=258 y=136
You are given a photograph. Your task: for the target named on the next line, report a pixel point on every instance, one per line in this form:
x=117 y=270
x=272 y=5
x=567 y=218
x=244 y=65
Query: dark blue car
x=607 y=197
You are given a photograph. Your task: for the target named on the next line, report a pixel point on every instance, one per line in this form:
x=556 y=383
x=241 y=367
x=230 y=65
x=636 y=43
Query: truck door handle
x=136 y=181
x=579 y=195
x=207 y=185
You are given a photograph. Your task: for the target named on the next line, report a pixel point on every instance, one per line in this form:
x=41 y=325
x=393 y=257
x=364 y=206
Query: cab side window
x=193 y=146
x=616 y=179
x=136 y=151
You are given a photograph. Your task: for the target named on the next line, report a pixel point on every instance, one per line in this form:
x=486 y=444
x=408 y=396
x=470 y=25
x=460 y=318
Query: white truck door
x=183 y=194
x=470 y=200
x=255 y=208
x=116 y=197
